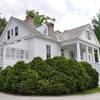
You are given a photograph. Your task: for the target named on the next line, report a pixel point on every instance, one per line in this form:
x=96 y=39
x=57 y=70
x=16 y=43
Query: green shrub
x=92 y=74
x=4 y=86
x=41 y=67
x=28 y=83
x=56 y=76
x=77 y=74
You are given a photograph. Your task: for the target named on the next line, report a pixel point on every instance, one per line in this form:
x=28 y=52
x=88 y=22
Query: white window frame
x=8 y=52
x=13 y=52
x=88 y=35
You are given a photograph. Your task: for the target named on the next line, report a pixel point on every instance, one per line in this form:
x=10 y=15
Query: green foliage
x=40 y=66
x=3 y=23
x=56 y=76
x=96 y=25
x=92 y=74
x=78 y=77
x=37 y=18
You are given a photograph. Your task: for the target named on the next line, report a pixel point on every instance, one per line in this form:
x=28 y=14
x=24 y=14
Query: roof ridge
x=77 y=27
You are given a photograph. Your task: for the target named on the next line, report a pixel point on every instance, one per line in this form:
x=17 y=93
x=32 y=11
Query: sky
x=68 y=13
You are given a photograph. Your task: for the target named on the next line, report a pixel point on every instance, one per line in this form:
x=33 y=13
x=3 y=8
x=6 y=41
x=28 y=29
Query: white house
x=22 y=40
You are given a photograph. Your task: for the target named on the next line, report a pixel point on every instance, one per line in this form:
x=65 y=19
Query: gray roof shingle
x=72 y=33
x=51 y=35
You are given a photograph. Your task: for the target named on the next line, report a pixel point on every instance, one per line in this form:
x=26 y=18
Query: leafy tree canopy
x=37 y=18
x=96 y=25
x=3 y=23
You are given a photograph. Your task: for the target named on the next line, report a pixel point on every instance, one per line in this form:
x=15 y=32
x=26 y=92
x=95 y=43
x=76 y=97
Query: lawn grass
x=90 y=91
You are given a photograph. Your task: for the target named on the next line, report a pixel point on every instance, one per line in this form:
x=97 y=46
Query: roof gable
x=23 y=28
x=72 y=33
x=83 y=36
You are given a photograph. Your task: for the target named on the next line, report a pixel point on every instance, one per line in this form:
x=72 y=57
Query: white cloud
x=68 y=13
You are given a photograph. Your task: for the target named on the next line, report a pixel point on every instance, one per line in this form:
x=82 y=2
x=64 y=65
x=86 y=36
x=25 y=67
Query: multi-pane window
x=7 y=52
x=62 y=52
x=88 y=34
x=72 y=54
x=12 y=52
x=48 y=51
x=1 y=52
x=16 y=31
x=16 y=53
x=8 y=35
x=21 y=54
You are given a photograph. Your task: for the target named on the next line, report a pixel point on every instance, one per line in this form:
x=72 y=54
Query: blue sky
x=68 y=13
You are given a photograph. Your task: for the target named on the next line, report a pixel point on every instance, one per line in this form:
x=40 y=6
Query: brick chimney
x=30 y=21
x=50 y=26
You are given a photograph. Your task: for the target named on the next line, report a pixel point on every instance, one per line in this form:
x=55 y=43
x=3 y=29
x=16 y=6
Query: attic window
x=12 y=32
x=8 y=35
x=16 y=31
x=45 y=31
x=88 y=35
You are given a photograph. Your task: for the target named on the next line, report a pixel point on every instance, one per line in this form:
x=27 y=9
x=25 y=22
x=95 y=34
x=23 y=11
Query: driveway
x=76 y=97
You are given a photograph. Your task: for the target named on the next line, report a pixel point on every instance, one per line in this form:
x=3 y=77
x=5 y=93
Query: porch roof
x=75 y=40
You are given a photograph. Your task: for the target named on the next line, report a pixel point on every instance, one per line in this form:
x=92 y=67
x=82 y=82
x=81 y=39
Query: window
x=72 y=54
x=21 y=54
x=16 y=31
x=15 y=53
x=1 y=52
x=88 y=35
x=7 y=52
x=8 y=35
x=12 y=32
x=62 y=52
x=48 y=51
x=12 y=53
x=45 y=31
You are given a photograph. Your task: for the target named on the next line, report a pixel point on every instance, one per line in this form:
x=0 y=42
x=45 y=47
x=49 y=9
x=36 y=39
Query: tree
x=37 y=18
x=3 y=23
x=96 y=25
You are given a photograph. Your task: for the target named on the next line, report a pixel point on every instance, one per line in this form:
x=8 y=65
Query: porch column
x=78 y=51
x=87 y=54
x=98 y=55
x=93 y=58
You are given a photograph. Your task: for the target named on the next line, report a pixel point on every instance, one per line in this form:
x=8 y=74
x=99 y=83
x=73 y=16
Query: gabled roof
x=51 y=36
x=72 y=33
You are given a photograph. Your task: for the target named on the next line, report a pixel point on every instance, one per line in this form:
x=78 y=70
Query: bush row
x=56 y=76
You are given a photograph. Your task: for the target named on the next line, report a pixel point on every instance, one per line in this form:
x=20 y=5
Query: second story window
x=16 y=31
x=88 y=35
x=12 y=32
x=8 y=35
x=48 y=51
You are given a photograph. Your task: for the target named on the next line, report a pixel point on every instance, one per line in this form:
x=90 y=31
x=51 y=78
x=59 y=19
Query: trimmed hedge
x=56 y=76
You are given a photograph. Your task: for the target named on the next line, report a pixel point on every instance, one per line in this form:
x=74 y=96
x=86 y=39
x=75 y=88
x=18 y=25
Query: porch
x=82 y=52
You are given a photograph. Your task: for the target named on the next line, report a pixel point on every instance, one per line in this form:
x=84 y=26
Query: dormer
x=43 y=29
